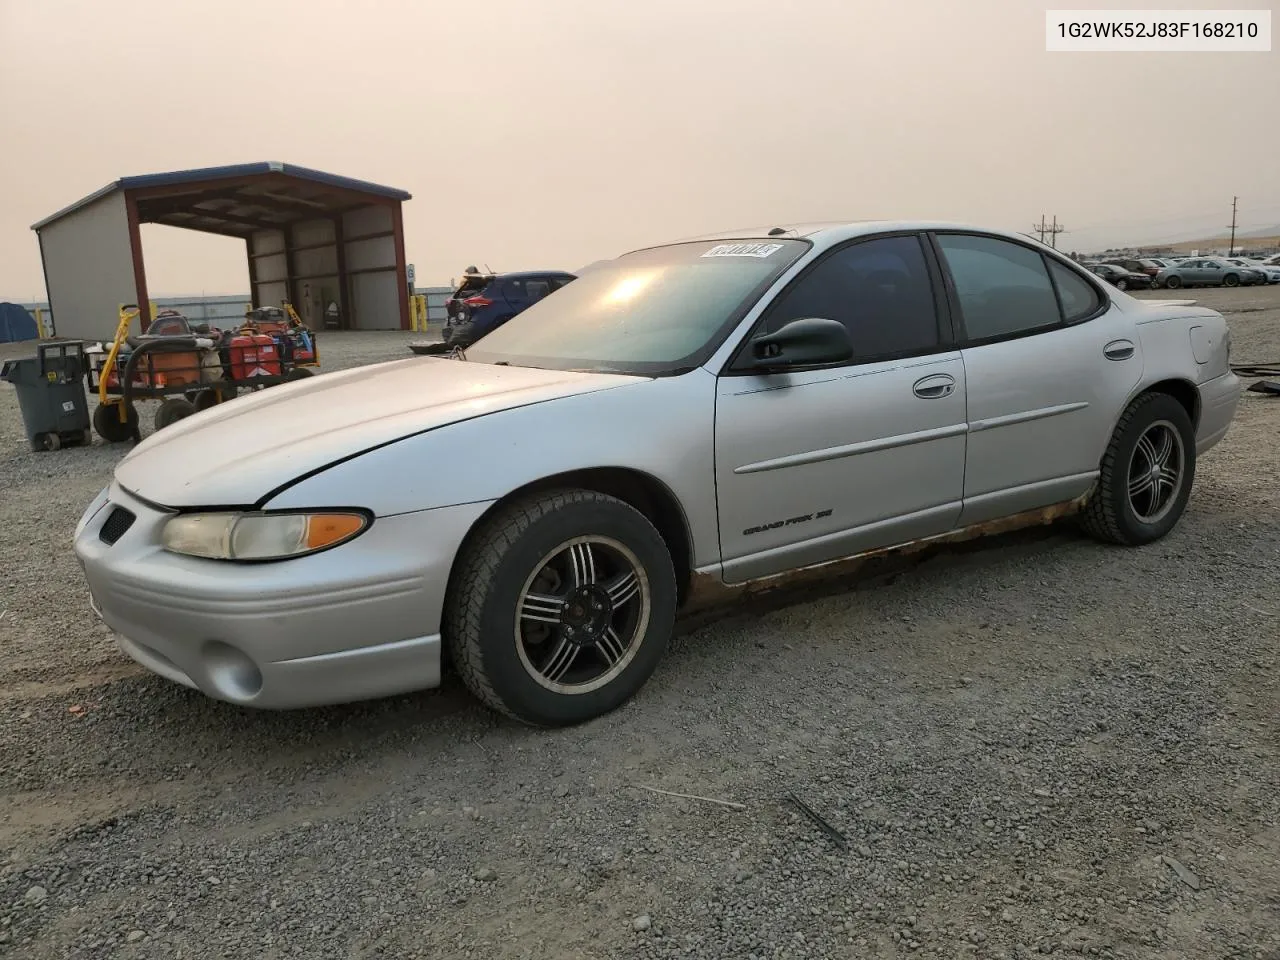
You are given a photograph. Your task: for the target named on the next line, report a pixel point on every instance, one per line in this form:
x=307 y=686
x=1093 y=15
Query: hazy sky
x=551 y=133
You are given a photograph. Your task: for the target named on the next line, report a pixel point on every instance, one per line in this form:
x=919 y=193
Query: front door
x=818 y=464
x=1048 y=368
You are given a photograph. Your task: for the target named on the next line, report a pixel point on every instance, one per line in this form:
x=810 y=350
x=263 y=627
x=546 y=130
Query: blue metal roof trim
x=228 y=173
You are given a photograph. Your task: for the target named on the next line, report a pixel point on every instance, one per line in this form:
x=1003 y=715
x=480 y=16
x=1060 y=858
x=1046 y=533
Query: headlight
x=260 y=536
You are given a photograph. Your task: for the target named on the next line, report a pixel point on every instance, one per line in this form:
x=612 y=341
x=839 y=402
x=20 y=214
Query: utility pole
x=1231 y=250
x=1054 y=231
x=1042 y=228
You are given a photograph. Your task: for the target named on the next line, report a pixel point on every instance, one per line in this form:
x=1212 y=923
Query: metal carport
x=310 y=238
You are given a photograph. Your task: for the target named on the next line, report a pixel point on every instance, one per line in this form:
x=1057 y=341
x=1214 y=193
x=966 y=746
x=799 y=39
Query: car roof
x=827 y=233
x=529 y=274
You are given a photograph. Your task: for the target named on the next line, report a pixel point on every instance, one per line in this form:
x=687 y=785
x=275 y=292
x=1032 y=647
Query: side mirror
x=811 y=341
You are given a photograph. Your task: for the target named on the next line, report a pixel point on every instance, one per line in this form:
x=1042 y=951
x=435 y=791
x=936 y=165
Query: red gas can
x=254 y=355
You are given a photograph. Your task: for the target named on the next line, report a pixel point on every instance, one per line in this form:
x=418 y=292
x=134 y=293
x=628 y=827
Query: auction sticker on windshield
x=744 y=250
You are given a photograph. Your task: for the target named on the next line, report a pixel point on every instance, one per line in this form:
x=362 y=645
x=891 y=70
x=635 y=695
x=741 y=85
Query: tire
x=507 y=659
x=45 y=442
x=172 y=410
x=106 y=420
x=1111 y=515
x=1231 y=280
x=1173 y=283
x=299 y=373
x=1122 y=284
x=205 y=399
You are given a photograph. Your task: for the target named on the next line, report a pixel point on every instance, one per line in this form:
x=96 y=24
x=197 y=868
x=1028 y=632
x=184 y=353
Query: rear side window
x=536 y=289
x=1003 y=287
x=1078 y=297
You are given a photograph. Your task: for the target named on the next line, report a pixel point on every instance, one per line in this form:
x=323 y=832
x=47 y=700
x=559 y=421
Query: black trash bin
x=51 y=394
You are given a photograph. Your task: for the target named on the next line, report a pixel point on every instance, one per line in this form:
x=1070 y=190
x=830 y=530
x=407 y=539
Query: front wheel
x=1173 y=283
x=560 y=607
x=1231 y=280
x=1122 y=284
x=1146 y=474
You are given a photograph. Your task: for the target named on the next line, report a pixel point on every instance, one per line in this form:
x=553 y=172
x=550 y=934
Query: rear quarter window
x=1078 y=297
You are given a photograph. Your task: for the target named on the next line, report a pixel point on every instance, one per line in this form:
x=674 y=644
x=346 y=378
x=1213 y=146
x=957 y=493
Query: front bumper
x=359 y=621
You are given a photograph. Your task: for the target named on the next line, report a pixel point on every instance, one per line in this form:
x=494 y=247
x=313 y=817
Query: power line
x=1052 y=230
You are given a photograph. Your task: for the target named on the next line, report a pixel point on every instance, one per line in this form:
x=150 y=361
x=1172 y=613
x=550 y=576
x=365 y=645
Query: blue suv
x=485 y=301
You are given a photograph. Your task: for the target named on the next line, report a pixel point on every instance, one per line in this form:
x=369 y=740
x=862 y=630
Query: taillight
x=478 y=301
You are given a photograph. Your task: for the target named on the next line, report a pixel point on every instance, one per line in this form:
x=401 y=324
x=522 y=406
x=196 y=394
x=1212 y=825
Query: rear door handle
x=1118 y=350
x=935 y=387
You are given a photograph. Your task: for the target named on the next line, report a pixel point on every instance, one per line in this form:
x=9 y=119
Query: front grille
x=118 y=521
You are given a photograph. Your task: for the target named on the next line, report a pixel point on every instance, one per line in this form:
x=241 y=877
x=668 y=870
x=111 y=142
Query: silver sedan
x=1208 y=272
x=680 y=426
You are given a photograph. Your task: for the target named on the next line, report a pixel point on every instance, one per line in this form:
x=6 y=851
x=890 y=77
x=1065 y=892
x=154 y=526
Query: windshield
x=655 y=311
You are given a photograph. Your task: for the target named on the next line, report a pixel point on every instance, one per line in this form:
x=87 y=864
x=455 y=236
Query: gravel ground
x=1036 y=745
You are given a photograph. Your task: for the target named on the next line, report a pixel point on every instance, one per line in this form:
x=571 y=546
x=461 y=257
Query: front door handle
x=935 y=387
x=1118 y=350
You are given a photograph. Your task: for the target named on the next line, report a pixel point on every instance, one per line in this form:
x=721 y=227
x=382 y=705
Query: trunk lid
x=234 y=454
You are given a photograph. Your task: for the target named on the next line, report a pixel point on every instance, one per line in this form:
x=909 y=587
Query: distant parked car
x=1270 y=274
x=1162 y=262
x=1121 y=278
x=1150 y=268
x=1207 y=272
x=1273 y=260
x=485 y=301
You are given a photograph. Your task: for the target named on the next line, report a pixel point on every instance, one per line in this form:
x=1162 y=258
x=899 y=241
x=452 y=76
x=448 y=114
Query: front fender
x=662 y=427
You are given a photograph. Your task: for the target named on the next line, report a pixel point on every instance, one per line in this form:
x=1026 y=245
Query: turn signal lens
x=325 y=529
x=259 y=536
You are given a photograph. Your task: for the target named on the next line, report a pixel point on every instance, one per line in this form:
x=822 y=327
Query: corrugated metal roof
x=230 y=172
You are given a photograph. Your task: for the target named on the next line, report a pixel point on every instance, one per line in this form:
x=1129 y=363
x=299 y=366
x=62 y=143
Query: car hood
x=237 y=453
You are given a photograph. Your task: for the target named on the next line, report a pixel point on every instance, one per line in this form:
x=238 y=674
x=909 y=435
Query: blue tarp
x=16 y=324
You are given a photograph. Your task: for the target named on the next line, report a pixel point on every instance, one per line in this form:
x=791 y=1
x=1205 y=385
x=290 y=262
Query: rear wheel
x=1122 y=284
x=299 y=373
x=1146 y=476
x=42 y=442
x=173 y=410
x=561 y=607
x=106 y=420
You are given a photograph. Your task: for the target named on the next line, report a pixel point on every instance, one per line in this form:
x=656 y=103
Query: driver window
x=879 y=289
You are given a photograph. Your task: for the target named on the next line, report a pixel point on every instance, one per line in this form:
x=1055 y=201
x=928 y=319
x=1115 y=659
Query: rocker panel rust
x=708 y=592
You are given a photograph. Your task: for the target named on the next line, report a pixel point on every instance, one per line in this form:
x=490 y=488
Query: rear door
x=1212 y=272
x=1048 y=366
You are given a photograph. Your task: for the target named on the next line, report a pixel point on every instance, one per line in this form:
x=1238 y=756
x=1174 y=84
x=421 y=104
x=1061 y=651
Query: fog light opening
x=232 y=672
